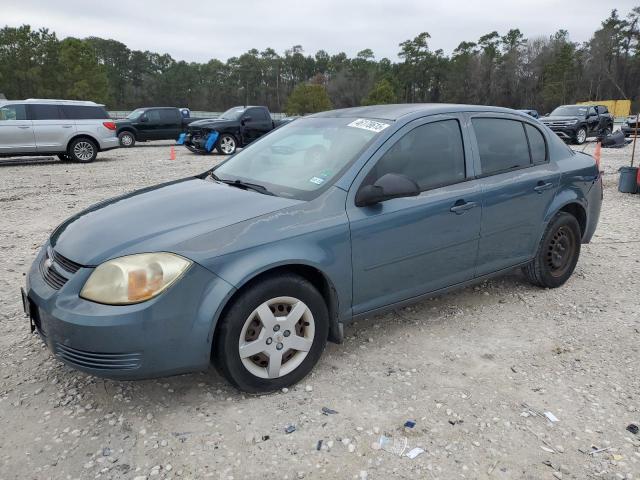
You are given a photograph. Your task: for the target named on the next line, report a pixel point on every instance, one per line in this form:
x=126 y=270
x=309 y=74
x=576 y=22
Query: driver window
x=591 y=112
x=432 y=155
x=153 y=116
x=13 y=112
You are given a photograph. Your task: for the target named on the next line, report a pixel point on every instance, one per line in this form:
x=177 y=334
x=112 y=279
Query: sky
x=199 y=31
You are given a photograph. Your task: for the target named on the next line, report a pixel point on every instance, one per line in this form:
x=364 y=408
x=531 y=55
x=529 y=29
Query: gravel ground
x=472 y=368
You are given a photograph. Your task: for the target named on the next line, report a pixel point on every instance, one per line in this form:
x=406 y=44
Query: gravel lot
x=471 y=368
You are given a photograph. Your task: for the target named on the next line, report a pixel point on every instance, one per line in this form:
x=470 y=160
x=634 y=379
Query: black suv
x=577 y=122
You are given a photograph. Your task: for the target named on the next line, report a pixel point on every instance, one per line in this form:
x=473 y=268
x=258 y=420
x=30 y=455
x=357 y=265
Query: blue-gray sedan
x=259 y=261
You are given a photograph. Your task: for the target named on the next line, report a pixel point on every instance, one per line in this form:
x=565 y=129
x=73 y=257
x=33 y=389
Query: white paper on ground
x=551 y=417
x=414 y=452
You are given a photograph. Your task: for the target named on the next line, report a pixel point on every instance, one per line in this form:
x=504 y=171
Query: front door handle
x=461 y=206
x=542 y=186
x=67 y=126
x=23 y=127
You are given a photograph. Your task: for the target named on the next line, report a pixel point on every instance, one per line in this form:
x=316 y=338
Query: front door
x=258 y=124
x=16 y=132
x=405 y=247
x=518 y=184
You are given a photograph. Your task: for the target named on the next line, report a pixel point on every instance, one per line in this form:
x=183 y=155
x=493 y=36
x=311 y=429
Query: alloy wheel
x=227 y=144
x=582 y=135
x=276 y=337
x=83 y=151
x=126 y=140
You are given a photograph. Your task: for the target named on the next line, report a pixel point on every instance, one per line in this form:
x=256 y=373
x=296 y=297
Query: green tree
x=381 y=93
x=82 y=77
x=308 y=98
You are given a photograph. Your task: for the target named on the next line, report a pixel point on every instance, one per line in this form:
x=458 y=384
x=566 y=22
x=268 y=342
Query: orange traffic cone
x=172 y=154
x=596 y=155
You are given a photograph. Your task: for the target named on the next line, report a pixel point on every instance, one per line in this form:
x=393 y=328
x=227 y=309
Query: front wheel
x=226 y=144
x=83 y=150
x=581 y=136
x=272 y=335
x=557 y=254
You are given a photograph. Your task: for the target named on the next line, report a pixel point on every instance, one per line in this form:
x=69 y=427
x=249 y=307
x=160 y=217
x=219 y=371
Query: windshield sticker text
x=370 y=125
x=316 y=180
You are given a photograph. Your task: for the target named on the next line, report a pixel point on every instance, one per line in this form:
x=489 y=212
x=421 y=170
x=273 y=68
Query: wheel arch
x=311 y=273
x=131 y=130
x=85 y=136
x=571 y=202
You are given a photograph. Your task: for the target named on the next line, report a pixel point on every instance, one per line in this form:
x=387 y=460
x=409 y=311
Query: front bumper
x=566 y=133
x=169 y=334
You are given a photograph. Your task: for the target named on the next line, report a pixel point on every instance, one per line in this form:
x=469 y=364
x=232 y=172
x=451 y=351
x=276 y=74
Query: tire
x=83 y=150
x=64 y=157
x=580 y=136
x=226 y=144
x=557 y=254
x=127 y=139
x=243 y=327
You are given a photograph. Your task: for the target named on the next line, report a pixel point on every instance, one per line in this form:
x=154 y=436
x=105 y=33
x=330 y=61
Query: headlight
x=572 y=122
x=133 y=279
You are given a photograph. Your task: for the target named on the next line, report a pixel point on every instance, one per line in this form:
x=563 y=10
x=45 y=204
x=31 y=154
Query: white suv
x=72 y=130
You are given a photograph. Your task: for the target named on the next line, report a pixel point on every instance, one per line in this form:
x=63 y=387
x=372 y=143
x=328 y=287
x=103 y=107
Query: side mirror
x=144 y=118
x=246 y=119
x=391 y=185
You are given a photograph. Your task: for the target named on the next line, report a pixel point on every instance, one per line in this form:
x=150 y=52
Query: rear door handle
x=542 y=186
x=461 y=206
x=24 y=126
x=67 y=126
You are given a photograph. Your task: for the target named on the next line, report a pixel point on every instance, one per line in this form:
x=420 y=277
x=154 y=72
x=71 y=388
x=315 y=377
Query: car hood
x=557 y=118
x=158 y=218
x=213 y=123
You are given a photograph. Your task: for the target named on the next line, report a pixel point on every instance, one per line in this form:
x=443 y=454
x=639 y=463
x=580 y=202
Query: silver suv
x=72 y=130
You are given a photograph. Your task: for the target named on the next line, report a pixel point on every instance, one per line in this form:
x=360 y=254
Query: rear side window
x=45 y=112
x=431 y=154
x=13 y=112
x=502 y=144
x=537 y=144
x=84 y=112
x=168 y=116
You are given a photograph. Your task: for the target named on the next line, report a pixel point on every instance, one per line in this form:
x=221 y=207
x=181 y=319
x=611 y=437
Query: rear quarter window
x=537 y=144
x=84 y=112
x=502 y=145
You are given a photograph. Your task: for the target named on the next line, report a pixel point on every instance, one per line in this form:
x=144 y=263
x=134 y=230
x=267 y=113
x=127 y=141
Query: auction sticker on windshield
x=370 y=125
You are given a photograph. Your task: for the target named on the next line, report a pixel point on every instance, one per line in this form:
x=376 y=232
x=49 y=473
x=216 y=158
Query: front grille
x=69 y=265
x=98 y=361
x=559 y=124
x=51 y=276
x=54 y=265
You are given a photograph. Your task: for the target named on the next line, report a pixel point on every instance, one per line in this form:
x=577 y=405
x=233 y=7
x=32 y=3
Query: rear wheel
x=581 y=136
x=127 y=139
x=272 y=335
x=227 y=144
x=558 y=252
x=83 y=150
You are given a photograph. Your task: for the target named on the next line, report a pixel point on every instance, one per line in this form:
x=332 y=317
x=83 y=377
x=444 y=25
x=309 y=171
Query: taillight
x=109 y=125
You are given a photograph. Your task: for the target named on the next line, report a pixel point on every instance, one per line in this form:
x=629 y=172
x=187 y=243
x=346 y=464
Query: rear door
x=518 y=183
x=51 y=129
x=16 y=131
x=405 y=247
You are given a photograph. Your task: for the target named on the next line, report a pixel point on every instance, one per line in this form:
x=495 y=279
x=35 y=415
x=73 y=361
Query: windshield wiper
x=244 y=185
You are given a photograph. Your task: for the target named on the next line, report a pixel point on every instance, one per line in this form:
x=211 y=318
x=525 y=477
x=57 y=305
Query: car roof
x=52 y=101
x=396 y=111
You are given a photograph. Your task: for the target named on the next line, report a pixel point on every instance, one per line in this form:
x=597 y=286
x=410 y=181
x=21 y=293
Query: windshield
x=301 y=158
x=135 y=113
x=233 y=113
x=570 y=112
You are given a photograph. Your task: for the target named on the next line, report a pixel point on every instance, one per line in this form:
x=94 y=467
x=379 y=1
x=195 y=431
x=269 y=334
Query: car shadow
x=28 y=161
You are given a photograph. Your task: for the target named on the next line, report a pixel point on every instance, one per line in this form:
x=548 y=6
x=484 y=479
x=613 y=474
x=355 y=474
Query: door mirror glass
x=390 y=185
x=144 y=118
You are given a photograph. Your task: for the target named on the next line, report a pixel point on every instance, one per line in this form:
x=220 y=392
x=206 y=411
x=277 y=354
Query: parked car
x=154 y=123
x=577 y=122
x=336 y=216
x=630 y=126
x=72 y=130
x=235 y=128
x=532 y=113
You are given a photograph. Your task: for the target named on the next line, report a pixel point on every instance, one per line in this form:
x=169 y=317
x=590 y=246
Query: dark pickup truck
x=154 y=123
x=577 y=122
x=235 y=128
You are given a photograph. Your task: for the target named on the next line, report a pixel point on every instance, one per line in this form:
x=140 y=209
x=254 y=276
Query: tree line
x=497 y=69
